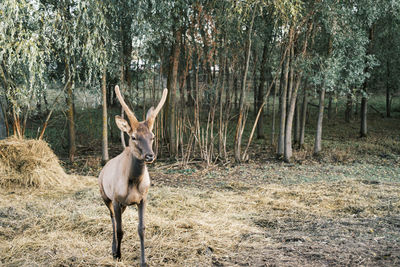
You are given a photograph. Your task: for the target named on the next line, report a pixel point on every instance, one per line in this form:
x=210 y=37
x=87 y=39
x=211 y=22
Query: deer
x=125 y=180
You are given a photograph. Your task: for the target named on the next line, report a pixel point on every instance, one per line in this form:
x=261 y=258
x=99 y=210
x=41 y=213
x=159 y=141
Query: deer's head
x=140 y=133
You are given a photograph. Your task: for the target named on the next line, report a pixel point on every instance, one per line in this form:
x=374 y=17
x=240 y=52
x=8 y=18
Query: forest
x=278 y=143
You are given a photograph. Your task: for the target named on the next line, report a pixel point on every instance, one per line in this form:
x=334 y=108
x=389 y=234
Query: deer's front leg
x=117 y=230
x=141 y=228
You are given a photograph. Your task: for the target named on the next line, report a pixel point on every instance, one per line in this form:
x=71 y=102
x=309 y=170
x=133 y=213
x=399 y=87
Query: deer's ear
x=122 y=124
x=149 y=113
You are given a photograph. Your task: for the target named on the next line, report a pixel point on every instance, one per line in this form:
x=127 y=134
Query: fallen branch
x=315 y=105
x=46 y=122
x=377 y=111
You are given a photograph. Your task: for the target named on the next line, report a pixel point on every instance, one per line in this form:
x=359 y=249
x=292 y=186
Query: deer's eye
x=133 y=138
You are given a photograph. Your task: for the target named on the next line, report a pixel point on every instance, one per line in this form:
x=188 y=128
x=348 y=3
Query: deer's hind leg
x=110 y=207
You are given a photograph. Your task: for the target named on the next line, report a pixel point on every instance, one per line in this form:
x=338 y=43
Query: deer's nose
x=149 y=157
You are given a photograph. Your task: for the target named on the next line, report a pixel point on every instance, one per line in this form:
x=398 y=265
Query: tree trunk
x=190 y=99
x=71 y=115
x=239 y=126
x=318 y=136
x=3 y=128
x=236 y=89
x=289 y=121
x=291 y=79
x=228 y=83
x=254 y=85
x=303 y=117
x=388 y=88
x=282 y=100
x=292 y=97
x=349 y=108
x=363 y=115
x=273 y=115
x=104 y=143
x=364 y=100
x=330 y=106
x=122 y=85
x=206 y=51
x=260 y=100
x=171 y=85
x=296 y=137
x=185 y=74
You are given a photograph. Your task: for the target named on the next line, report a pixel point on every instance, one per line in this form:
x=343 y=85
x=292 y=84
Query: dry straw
x=27 y=162
x=194 y=227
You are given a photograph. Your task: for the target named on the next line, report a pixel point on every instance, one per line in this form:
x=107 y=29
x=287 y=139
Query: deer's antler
x=131 y=116
x=153 y=115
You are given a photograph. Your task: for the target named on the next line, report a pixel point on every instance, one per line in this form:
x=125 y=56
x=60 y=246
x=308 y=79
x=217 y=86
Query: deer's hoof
x=117 y=256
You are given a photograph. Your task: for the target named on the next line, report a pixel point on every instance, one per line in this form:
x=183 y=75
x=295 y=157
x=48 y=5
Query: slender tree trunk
x=349 y=108
x=254 y=85
x=318 y=136
x=283 y=100
x=388 y=88
x=104 y=143
x=293 y=102
x=303 y=117
x=363 y=115
x=171 y=84
x=274 y=115
x=71 y=115
x=206 y=51
x=3 y=128
x=185 y=74
x=260 y=100
x=236 y=89
x=291 y=79
x=330 y=106
x=239 y=126
x=122 y=85
x=221 y=80
x=46 y=104
x=144 y=98
x=364 y=99
x=289 y=121
x=296 y=137
x=228 y=83
x=190 y=101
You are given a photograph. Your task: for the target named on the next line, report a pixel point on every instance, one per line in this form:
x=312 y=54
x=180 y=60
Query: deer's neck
x=136 y=169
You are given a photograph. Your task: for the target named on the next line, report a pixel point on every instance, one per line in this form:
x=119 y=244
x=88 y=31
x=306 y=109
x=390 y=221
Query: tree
x=81 y=52
x=23 y=56
x=241 y=120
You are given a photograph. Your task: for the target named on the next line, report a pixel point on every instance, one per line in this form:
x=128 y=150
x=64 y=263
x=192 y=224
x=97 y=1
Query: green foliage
x=37 y=39
x=342 y=67
x=24 y=50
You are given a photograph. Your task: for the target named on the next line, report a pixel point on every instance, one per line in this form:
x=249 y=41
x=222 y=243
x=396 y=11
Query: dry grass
x=29 y=163
x=256 y=215
x=235 y=225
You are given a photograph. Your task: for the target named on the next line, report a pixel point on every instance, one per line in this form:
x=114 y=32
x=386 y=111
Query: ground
x=341 y=208
x=254 y=214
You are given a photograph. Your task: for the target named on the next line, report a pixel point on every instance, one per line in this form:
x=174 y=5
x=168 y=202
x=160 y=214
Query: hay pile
x=27 y=163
